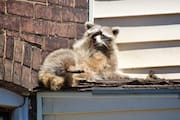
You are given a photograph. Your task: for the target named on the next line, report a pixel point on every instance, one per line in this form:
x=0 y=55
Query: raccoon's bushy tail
x=50 y=80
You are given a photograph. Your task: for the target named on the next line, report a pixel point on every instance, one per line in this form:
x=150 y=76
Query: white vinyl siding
x=88 y=106
x=124 y=8
x=149 y=36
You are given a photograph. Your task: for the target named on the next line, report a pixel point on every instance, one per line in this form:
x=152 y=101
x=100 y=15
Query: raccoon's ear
x=88 y=25
x=115 y=30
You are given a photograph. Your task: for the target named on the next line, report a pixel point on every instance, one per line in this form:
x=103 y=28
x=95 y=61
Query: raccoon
x=94 y=55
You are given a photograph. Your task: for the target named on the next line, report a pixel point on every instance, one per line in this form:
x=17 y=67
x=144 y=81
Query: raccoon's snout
x=98 y=42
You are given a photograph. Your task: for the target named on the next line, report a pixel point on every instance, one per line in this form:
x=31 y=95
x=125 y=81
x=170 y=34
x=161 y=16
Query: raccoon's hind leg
x=51 y=81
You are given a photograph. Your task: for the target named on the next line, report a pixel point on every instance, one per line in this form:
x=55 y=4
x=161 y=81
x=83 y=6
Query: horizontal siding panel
x=86 y=106
x=168 y=72
x=169 y=76
x=63 y=105
x=123 y=8
x=167 y=114
x=146 y=20
x=156 y=57
x=149 y=33
x=107 y=103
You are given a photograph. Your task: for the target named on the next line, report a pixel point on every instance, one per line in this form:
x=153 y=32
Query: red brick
x=12 y=33
x=48 y=12
x=53 y=43
x=20 y=8
x=53 y=1
x=43 y=11
x=9 y=22
x=70 y=43
x=36 y=58
x=34 y=26
x=27 y=54
x=2 y=41
x=27 y=25
x=34 y=79
x=26 y=77
x=80 y=30
x=9 y=47
x=3 y=0
x=1 y=69
x=68 y=3
x=39 y=1
x=62 y=29
x=80 y=15
x=74 y=15
x=44 y=54
x=68 y=14
x=8 y=70
x=81 y=3
x=2 y=7
x=17 y=73
x=32 y=39
x=18 y=50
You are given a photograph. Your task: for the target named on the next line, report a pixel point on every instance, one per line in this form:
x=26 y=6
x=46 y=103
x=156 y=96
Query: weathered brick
x=81 y=3
x=17 y=73
x=44 y=54
x=36 y=58
x=34 y=79
x=18 y=50
x=34 y=26
x=40 y=1
x=68 y=14
x=70 y=43
x=2 y=7
x=12 y=33
x=32 y=38
x=9 y=47
x=80 y=30
x=27 y=25
x=74 y=15
x=9 y=22
x=8 y=70
x=20 y=8
x=26 y=77
x=53 y=1
x=3 y=0
x=69 y=3
x=48 y=12
x=62 y=29
x=2 y=41
x=80 y=15
x=53 y=43
x=27 y=54
x=2 y=72
x=43 y=11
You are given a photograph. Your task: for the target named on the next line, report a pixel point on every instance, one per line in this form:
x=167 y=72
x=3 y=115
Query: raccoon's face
x=101 y=37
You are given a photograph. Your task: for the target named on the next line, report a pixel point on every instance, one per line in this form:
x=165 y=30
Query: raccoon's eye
x=105 y=38
x=94 y=39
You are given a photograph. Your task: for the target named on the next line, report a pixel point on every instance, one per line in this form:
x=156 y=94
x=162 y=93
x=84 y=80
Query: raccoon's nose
x=94 y=40
x=98 y=39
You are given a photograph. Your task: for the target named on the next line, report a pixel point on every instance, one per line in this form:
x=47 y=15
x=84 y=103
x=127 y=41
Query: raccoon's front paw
x=74 y=69
x=80 y=76
x=57 y=83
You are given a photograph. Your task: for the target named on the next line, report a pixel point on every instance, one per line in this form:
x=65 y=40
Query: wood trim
x=14 y=88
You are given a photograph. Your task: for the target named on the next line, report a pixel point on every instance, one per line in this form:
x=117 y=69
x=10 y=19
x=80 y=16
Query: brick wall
x=30 y=29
